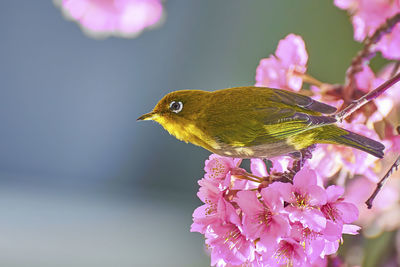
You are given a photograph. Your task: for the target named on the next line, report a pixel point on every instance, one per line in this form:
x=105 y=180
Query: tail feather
x=361 y=142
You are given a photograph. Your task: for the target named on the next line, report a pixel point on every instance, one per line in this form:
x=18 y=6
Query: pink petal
x=332 y=231
x=305 y=178
x=107 y=17
x=331 y=247
x=249 y=203
x=311 y=218
x=278 y=228
x=258 y=167
x=315 y=249
x=365 y=79
x=227 y=212
x=351 y=229
x=272 y=198
x=284 y=189
x=348 y=211
x=270 y=73
x=344 y=4
x=292 y=50
x=317 y=195
x=334 y=192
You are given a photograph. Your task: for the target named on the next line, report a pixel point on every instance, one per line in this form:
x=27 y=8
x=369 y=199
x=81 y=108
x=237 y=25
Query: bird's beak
x=147 y=117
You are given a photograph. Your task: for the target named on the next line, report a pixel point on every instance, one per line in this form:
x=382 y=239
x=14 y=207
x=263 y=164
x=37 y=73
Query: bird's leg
x=300 y=158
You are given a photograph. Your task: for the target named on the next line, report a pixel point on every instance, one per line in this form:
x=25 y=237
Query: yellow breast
x=188 y=132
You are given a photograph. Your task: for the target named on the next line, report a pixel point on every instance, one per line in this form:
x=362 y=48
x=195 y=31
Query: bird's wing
x=281 y=123
x=267 y=125
x=302 y=101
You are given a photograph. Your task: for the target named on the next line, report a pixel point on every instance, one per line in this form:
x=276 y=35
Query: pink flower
x=289 y=252
x=102 y=18
x=227 y=243
x=265 y=219
x=304 y=197
x=218 y=168
x=208 y=213
x=312 y=241
x=284 y=69
x=360 y=189
x=337 y=212
x=336 y=209
x=215 y=210
x=367 y=16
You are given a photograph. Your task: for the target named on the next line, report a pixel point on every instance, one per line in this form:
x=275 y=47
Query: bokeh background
x=82 y=183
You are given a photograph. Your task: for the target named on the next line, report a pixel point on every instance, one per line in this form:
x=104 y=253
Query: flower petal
x=305 y=178
x=249 y=203
x=317 y=195
x=272 y=198
x=334 y=192
x=348 y=211
x=257 y=167
x=311 y=218
x=284 y=189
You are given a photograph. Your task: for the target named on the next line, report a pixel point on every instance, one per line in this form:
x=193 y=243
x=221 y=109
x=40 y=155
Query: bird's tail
x=351 y=139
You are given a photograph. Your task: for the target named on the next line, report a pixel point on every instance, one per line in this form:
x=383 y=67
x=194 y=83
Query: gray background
x=81 y=182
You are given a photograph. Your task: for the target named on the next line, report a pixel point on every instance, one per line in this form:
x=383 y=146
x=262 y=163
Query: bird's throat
x=189 y=133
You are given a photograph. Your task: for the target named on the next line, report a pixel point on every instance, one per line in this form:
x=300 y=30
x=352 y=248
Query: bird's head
x=177 y=110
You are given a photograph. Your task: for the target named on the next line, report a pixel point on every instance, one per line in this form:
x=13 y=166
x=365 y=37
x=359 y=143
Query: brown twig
x=395 y=68
x=382 y=182
x=366 y=54
x=341 y=115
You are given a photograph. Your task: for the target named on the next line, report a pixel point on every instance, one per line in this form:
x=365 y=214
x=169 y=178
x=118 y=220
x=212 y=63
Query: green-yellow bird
x=253 y=122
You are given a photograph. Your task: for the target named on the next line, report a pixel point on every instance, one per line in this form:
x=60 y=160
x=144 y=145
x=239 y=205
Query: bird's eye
x=176 y=106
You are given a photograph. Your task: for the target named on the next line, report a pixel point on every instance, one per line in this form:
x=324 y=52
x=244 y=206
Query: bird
x=254 y=122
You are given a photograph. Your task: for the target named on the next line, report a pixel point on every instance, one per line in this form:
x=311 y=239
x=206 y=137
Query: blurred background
x=82 y=183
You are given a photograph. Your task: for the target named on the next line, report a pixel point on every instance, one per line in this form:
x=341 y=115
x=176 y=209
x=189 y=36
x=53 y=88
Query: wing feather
x=302 y=101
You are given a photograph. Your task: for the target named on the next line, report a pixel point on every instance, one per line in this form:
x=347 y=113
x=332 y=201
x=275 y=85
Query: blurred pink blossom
x=284 y=69
x=102 y=18
x=388 y=111
x=368 y=15
x=385 y=212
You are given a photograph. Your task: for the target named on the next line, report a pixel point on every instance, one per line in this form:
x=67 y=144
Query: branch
x=341 y=115
x=366 y=54
x=382 y=182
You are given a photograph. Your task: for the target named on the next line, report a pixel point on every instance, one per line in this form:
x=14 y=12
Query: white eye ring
x=176 y=106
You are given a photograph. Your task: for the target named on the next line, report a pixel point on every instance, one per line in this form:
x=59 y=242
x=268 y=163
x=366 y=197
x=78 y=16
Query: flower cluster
x=368 y=16
x=102 y=18
x=284 y=69
x=248 y=220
